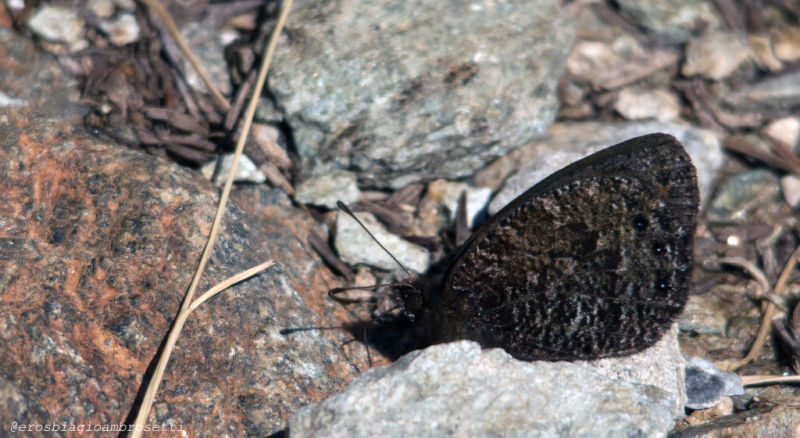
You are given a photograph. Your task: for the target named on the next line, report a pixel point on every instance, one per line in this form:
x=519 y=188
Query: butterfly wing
x=594 y=261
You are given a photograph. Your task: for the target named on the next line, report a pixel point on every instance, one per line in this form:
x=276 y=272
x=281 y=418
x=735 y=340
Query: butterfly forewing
x=592 y=262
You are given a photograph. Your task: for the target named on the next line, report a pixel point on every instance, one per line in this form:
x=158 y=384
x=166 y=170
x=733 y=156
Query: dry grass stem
x=228 y=282
x=748 y=266
x=768 y=380
x=180 y=320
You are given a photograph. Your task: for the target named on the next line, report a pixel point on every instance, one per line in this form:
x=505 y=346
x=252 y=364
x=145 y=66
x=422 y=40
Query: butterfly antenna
x=347 y=210
x=289 y=331
x=338 y=290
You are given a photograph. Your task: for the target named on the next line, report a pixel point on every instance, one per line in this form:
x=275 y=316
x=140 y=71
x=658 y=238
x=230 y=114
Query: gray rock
x=703 y=316
x=566 y=143
x=458 y=390
x=327 y=188
x=737 y=197
x=661 y=366
x=674 y=20
x=355 y=246
x=420 y=89
x=706 y=384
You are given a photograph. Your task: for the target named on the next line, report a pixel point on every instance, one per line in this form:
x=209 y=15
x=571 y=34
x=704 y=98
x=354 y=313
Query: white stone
x=6 y=100
x=785 y=130
x=124 y=30
x=246 y=171
x=790 y=185
x=477 y=198
x=787 y=44
x=658 y=104
x=588 y=57
x=57 y=24
x=16 y=5
x=355 y=246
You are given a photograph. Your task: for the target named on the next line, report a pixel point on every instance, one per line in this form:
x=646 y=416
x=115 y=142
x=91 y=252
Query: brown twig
x=158 y=9
x=320 y=245
x=396 y=222
x=769 y=313
x=746 y=265
x=228 y=282
x=742 y=145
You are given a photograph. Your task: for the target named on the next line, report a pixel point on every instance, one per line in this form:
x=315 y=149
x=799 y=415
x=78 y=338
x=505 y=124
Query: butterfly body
x=594 y=261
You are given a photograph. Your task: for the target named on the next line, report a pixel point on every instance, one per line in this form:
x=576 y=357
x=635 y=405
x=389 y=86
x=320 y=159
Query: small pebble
x=790 y=184
x=763 y=53
x=715 y=55
x=124 y=30
x=355 y=246
x=246 y=171
x=787 y=44
x=785 y=130
x=102 y=8
x=588 y=57
x=707 y=385
x=449 y=192
x=57 y=24
x=657 y=104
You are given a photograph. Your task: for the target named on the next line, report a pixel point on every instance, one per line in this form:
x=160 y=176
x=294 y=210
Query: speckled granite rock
x=97 y=247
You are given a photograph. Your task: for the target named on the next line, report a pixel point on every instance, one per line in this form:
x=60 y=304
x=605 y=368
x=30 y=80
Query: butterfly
x=594 y=261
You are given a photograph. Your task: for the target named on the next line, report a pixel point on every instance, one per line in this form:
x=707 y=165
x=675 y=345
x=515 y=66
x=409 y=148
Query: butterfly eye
x=640 y=223
x=659 y=248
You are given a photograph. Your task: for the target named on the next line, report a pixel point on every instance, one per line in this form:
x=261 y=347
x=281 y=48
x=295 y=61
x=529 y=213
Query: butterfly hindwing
x=592 y=262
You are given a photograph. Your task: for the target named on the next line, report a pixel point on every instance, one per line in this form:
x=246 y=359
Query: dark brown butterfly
x=592 y=262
